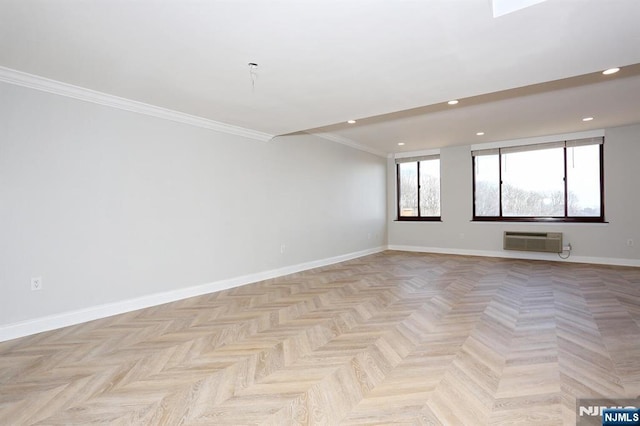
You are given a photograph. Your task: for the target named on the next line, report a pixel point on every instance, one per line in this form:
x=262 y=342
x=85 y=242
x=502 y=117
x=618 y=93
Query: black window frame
x=398 y=191
x=562 y=219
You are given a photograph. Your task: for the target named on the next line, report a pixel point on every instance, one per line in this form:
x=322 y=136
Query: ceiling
x=391 y=65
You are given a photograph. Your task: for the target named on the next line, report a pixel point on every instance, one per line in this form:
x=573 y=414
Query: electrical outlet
x=629 y=242
x=36 y=283
x=282 y=248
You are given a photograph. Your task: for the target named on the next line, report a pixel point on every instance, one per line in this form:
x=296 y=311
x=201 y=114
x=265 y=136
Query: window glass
x=430 y=187
x=583 y=180
x=557 y=181
x=487 y=180
x=408 y=189
x=533 y=183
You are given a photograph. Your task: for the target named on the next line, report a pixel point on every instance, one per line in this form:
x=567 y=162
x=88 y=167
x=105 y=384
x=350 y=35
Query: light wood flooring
x=391 y=338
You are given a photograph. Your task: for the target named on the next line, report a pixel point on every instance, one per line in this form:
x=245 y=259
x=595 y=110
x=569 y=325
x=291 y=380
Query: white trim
x=519 y=255
x=417 y=153
x=348 y=142
x=31 y=81
x=539 y=139
x=64 y=319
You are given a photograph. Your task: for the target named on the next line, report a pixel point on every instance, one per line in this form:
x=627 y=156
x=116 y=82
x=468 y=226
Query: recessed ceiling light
x=587 y=119
x=480 y=134
x=401 y=143
x=351 y=121
x=610 y=71
x=453 y=102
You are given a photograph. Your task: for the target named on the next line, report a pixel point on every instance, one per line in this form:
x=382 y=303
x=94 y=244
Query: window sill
x=419 y=219
x=541 y=221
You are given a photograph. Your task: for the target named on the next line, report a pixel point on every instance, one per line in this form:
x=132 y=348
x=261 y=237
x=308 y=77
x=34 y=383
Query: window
x=418 y=188
x=559 y=181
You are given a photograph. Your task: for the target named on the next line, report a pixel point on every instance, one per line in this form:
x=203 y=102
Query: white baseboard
x=64 y=319
x=519 y=255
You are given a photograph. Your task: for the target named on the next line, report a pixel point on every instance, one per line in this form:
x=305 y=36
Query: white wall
x=108 y=205
x=601 y=243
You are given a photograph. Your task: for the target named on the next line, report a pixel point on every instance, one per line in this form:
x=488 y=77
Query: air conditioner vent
x=547 y=242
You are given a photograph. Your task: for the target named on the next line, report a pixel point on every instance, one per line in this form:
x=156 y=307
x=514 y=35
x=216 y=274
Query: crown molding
x=348 y=142
x=31 y=81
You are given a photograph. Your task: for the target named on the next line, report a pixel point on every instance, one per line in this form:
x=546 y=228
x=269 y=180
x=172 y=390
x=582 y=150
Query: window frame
x=398 y=190
x=544 y=219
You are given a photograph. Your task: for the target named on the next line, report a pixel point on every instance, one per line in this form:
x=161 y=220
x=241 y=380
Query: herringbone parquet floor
x=392 y=338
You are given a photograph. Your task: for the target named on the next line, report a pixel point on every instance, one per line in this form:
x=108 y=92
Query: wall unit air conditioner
x=548 y=242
